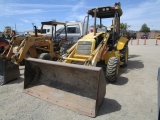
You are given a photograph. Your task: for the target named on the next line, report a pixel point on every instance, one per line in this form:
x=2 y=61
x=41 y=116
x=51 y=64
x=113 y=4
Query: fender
x=121 y=43
x=110 y=54
x=158 y=37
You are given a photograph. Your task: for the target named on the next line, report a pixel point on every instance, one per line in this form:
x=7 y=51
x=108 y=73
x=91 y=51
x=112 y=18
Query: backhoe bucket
x=8 y=71
x=76 y=87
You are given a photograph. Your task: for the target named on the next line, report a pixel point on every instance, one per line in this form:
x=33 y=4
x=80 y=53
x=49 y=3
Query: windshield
x=70 y=29
x=60 y=30
x=41 y=31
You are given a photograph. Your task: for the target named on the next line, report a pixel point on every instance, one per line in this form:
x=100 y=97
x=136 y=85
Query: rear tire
x=112 y=69
x=45 y=56
x=124 y=58
x=2 y=49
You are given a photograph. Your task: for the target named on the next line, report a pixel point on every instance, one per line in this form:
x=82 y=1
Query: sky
x=21 y=14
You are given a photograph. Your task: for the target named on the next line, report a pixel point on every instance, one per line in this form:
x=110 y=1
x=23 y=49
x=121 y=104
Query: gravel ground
x=133 y=97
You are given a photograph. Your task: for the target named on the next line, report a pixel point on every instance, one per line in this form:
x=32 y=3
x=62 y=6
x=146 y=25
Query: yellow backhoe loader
x=35 y=46
x=158 y=37
x=6 y=67
x=8 y=33
x=77 y=80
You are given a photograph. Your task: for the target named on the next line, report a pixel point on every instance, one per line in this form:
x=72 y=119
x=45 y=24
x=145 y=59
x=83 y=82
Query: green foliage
x=124 y=27
x=145 y=28
x=97 y=26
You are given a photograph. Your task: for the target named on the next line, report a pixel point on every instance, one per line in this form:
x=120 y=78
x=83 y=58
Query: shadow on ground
x=109 y=106
x=133 y=56
x=121 y=81
x=131 y=65
x=16 y=81
x=135 y=64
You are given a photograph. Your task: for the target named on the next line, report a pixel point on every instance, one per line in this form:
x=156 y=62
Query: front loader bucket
x=8 y=71
x=76 y=87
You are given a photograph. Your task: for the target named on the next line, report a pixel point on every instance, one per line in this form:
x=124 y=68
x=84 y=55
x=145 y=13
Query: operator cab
x=54 y=25
x=58 y=41
x=108 y=12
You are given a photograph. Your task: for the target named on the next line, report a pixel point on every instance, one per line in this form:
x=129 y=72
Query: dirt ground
x=133 y=97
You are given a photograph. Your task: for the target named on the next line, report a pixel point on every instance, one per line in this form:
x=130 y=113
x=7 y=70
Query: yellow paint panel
x=158 y=37
x=121 y=43
x=91 y=35
x=33 y=52
x=82 y=56
x=110 y=54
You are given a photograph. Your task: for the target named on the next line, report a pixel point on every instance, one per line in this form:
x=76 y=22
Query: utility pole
x=15 y=26
x=33 y=25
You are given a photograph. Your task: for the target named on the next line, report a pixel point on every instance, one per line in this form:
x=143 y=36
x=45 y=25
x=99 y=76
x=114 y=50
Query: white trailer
x=74 y=28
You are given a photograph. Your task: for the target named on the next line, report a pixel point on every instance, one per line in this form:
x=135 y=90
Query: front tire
x=45 y=56
x=112 y=69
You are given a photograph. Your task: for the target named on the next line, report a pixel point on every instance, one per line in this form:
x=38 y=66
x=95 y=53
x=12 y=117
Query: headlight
x=103 y=9
x=107 y=9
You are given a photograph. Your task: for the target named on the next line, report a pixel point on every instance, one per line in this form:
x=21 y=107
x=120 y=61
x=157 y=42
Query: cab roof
x=106 y=12
x=52 y=23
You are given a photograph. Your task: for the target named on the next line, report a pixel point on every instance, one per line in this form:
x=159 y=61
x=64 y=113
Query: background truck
x=75 y=30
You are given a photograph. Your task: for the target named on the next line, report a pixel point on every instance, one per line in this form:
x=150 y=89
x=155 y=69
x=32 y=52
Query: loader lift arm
x=35 y=46
x=21 y=48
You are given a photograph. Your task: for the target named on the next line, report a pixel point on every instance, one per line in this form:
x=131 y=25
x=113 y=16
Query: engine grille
x=84 y=47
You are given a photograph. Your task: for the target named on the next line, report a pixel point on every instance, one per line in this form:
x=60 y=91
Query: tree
x=145 y=28
x=97 y=26
x=123 y=28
